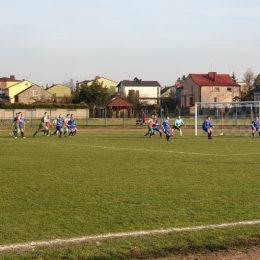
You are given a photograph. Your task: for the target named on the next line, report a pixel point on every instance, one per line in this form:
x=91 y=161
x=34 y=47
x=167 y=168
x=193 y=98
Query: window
x=215 y=99
x=229 y=89
x=216 y=89
x=191 y=101
x=35 y=93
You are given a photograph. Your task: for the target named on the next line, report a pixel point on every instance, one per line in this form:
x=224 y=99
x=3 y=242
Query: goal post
x=227 y=118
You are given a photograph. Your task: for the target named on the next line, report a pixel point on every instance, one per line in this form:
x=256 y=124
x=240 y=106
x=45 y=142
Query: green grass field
x=111 y=181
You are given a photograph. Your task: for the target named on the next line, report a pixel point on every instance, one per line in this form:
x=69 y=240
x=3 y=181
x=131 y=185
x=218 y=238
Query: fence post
x=86 y=117
x=105 y=111
x=31 y=117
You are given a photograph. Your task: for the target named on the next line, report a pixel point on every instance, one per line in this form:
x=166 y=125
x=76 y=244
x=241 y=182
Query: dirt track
x=242 y=254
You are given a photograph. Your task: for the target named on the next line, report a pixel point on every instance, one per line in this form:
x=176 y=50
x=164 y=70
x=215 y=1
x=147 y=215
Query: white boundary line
x=49 y=243
x=152 y=150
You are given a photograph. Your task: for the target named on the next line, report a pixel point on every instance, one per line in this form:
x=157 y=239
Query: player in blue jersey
x=155 y=126
x=207 y=127
x=177 y=125
x=58 y=122
x=71 y=126
x=255 y=126
x=166 y=128
x=21 y=125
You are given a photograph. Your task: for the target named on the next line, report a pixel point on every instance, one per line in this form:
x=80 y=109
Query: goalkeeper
x=255 y=126
x=207 y=127
x=177 y=125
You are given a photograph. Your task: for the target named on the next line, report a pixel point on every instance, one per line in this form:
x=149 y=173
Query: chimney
x=46 y=86
x=141 y=81
x=12 y=77
x=97 y=77
x=213 y=76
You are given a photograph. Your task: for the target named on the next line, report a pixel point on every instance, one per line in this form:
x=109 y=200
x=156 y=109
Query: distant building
x=34 y=94
x=59 y=92
x=111 y=85
x=120 y=103
x=211 y=87
x=15 y=89
x=7 y=82
x=257 y=93
x=149 y=91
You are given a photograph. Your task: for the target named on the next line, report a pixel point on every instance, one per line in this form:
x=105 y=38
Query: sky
x=53 y=41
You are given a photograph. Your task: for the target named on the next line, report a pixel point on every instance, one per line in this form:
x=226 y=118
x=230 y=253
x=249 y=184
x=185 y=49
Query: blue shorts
x=205 y=129
x=58 y=128
x=156 y=129
x=167 y=132
x=256 y=128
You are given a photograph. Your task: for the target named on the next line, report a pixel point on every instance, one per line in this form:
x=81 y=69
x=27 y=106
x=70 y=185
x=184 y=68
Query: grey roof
x=139 y=83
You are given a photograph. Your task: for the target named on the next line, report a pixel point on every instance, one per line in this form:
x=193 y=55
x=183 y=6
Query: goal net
x=227 y=118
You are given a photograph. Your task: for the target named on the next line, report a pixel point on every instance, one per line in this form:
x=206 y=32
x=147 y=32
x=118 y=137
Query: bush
x=110 y=112
x=129 y=112
x=122 y=115
x=117 y=112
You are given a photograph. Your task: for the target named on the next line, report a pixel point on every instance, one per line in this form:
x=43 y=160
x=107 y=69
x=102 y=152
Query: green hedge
x=42 y=105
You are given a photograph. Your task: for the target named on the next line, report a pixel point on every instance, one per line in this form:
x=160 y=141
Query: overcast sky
x=52 y=41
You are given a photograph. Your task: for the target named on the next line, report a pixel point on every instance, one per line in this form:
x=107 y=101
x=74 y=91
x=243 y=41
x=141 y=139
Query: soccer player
x=71 y=126
x=15 y=118
x=48 y=125
x=21 y=123
x=177 y=125
x=42 y=125
x=155 y=125
x=207 y=127
x=255 y=127
x=16 y=124
x=59 y=123
x=65 y=125
x=166 y=128
x=149 y=128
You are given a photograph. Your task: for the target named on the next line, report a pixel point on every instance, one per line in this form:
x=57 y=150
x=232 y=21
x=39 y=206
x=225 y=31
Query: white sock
x=180 y=133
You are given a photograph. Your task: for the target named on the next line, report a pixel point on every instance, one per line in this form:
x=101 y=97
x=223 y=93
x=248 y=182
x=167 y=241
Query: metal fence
x=82 y=118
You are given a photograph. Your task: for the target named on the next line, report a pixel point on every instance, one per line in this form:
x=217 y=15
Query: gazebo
x=119 y=103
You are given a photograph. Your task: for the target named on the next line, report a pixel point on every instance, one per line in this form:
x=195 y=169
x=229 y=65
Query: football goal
x=227 y=118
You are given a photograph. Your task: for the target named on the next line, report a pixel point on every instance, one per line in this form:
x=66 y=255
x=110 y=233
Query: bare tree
x=70 y=83
x=248 y=79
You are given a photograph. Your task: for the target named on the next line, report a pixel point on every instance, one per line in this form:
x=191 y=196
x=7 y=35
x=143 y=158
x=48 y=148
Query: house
x=211 y=87
x=4 y=98
x=7 y=82
x=59 y=92
x=257 y=93
x=149 y=91
x=15 y=89
x=166 y=92
x=120 y=103
x=109 y=84
x=34 y=94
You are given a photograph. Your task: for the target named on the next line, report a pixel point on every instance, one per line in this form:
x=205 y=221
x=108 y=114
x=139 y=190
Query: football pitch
x=114 y=194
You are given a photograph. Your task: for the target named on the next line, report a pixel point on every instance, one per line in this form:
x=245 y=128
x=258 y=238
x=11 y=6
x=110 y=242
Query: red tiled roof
x=119 y=102
x=213 y=79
